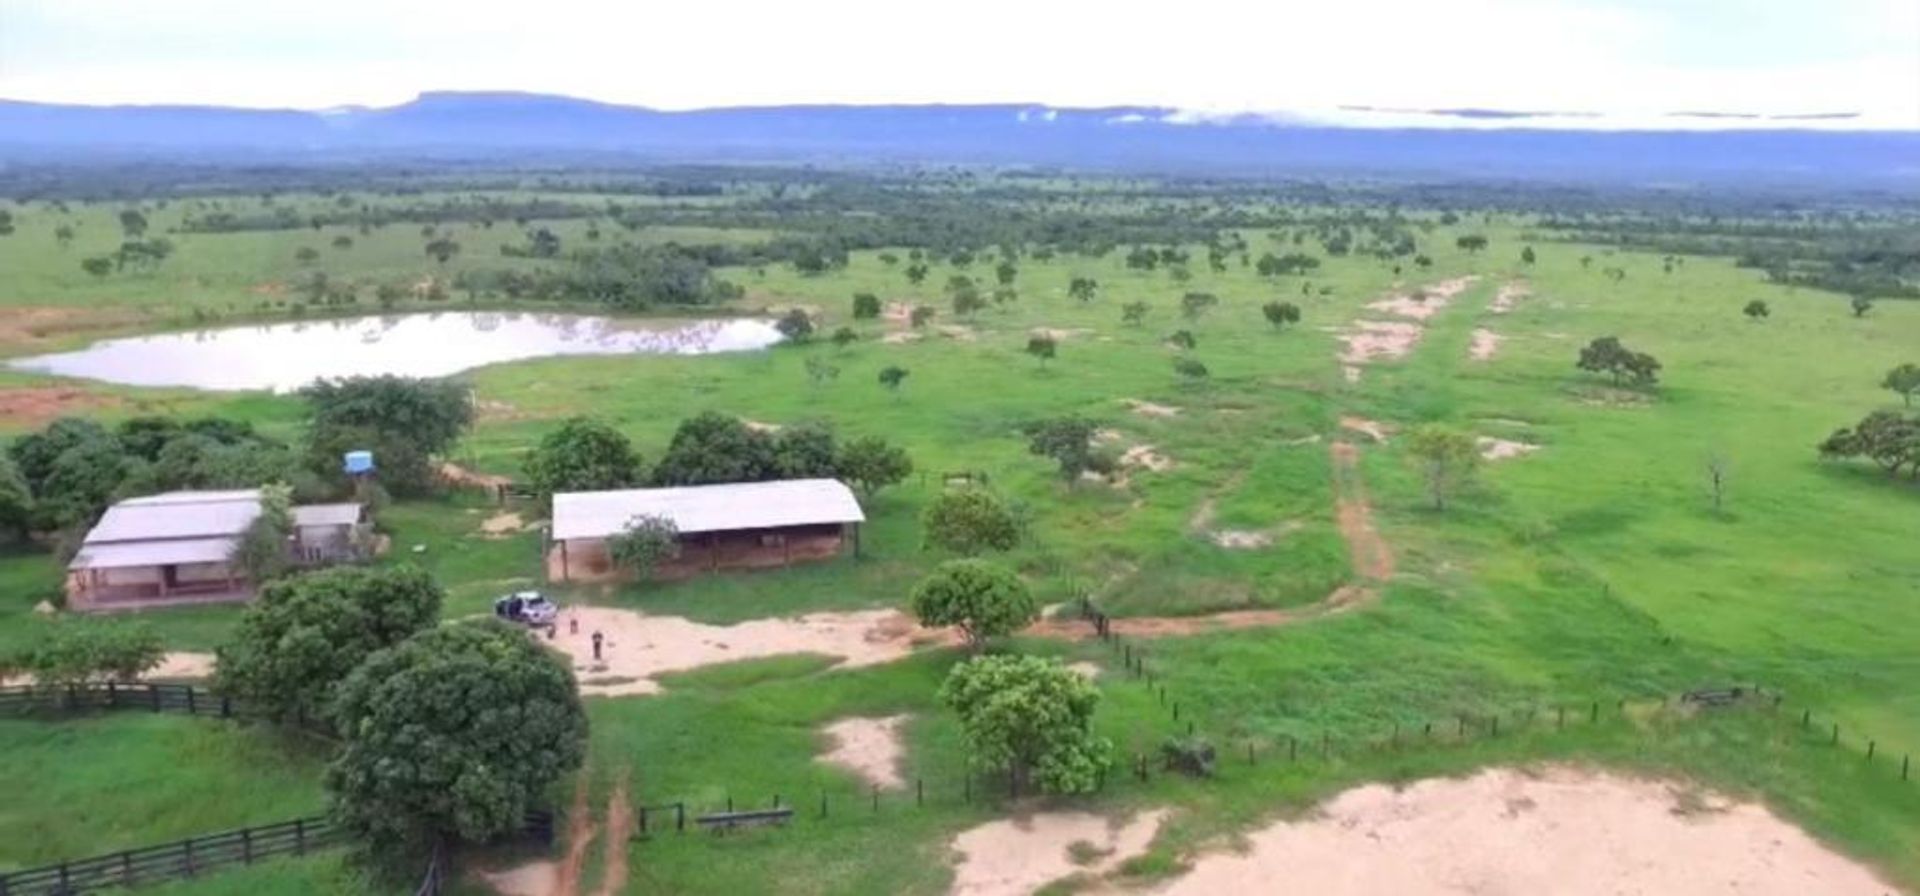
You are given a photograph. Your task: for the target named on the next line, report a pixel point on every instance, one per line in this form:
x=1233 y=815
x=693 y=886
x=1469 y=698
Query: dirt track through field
x=613 y=875
x=580 y=834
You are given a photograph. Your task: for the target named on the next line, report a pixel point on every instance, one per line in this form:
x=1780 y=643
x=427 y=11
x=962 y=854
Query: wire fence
x=140 y=695
x=187 y=858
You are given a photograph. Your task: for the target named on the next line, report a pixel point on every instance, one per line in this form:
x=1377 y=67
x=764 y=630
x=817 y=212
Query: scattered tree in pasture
x=98 y=266
x=1861 y=304
x=304 y=635
x=1472 y=243
x=795 y=325
x=432 y=413
x=643 y=544
x=306 y=255
x=1292 y=263
x=1005 y=272
x=452 y=735
x=1042 y=347
x=1183 y=339
x=920 y=316
x=917 y=273
x=965 y=295
x=262 y=554
x=1616 y=274
x=16 y=501
x=1005 y=295
x=1447 y=460
x=845 y=336
x=1889 y=439
x=1068 y=441
x=1280 y=314
x=63 y=234
x=866 y=306
x=582 y=454
x=133 y=223
x=710 y=448
x=1526 y=256
x=804 y=451
x=820 y=371
x=442 y=250
x=970 y=522
x=872 y=463
x=1190 y=369
x=1607 y=355
x=889 y=259
x=1133 y=313
x=85 y=650
x=1586 y=261
x=1083 y=289
x=1903 y=381
x=343 y=242
x=892 y=376
x=1031 y=718
x=1422 y=261
x=1195 y=304
x=6 y=222
x=1757 y=310
x=984 y=600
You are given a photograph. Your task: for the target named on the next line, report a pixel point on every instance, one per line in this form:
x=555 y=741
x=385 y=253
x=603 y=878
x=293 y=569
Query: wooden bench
x=722 y=822
x=1715 y=697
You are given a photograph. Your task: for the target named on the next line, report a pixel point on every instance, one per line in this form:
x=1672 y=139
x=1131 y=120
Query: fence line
x=187 y=699
x=180 y=859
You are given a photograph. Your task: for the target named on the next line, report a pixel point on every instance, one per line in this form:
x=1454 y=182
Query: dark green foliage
x=1190 y=369
x=1472 y=242
x=844 y=337
x=1133 y=313
x=1526 y=255
x=1756 y=310
x=1904 y=381
x=1083 y=288
x=1193 y=756
x=88 y=649
x=1607 y=355
x=1194 y=304
x=302 y=637
x=582 y=454
x=16 y=500
x=1279 y=314
x=1888 y=438
x=1031 y=718
x=1271 y=265
x=713 y=447
x=892 y=376
x=970 y=521
x=866 y=306
x=452 y=735
x=1861 y=304
x=1042 y=347
x=263 y=552
x=1068 y=441
x=795 y=325
x=432 y=412
x=985 y=600
x=804 y=451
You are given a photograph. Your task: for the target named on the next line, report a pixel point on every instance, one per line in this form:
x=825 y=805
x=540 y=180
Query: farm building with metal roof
x=740 y=525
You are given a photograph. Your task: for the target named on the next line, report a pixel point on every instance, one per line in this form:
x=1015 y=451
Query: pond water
x=287 y=356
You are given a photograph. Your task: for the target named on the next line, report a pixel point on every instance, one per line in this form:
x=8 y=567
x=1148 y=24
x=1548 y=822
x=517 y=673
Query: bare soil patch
x=32 y=406
x=1503 y=449
x=28 y=324
x=178 y=665
x=1149 y=409
x=958 y=332
x=494 y=411
x=761 y=426
x=1485 y=344
x=1060 y=335
x=613 y=862
x=1146 y=458
x=1372 y=429
x=870 y=748
x=1016 y=856
x=538 y=878
x=1508 y=296
x=1425 y=302
x=503 y=524
x=898 y=337
x=1369 y=340
x=1086 y=668
x=456 y=474
x=636 y=647
x=1563 y=830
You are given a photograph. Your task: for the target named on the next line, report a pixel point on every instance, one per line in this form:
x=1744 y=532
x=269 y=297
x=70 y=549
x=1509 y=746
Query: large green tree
x=452 y=735
x=872 y=463
x=1889 y=439
x=1607 y=355
x=1031 y=718
x=1447 y=459
x=301 y=638
x=713 y=447
x=984 y=600
x=78 y=651
x=970 y=521
x=582 y=454
x=1068 y=441
x=1903 y=381
x=431 y=412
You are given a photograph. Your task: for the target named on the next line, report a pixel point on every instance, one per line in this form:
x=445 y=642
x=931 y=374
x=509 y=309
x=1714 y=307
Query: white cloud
x=1633 y=59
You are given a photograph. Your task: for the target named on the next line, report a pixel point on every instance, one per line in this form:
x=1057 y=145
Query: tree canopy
x=985 y=600
x=872 y=463
x=970 y=521
x=643 y=543
x=582 y=454
x=1447 y=459
x=454 y=733
x=1068 y=441
x=1888 y=438
x=78 y=651
x=713 y=447
x=303 y=636
x=1903 y=381
x=1031 y=718
x=1607 y=355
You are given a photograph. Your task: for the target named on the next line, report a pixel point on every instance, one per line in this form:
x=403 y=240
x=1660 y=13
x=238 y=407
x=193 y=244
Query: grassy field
x=1592 y=569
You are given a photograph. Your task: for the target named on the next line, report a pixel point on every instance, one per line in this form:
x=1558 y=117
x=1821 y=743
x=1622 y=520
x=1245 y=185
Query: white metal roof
x=326 y=514
x=707 y=508
x=177 y=515
x=153 y=553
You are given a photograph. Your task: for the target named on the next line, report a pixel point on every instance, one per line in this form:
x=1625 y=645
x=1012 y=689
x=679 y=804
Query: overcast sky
x=1631 y=59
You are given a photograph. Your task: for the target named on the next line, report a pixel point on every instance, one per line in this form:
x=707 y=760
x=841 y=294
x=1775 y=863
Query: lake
x=283 y=357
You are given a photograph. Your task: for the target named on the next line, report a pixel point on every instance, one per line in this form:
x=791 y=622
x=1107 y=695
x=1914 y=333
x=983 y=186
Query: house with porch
x=177 y=548
x=738 y=525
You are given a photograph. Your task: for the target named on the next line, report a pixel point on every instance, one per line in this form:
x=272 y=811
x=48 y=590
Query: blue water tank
x=359 y=462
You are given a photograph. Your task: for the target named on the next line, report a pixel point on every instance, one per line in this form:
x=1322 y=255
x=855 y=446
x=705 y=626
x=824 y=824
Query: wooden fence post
x=299 y=836
x=246 y=846
x=193 y=708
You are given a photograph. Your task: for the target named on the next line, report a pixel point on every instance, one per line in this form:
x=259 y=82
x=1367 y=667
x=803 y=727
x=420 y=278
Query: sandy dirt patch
x=1014 y=857
x=1423 y=303
x=1149 y=409
x=493 y=411
x=1085 y=669
x=1503 y=449
x=1563 y=831
x=613 y=861
x=1507 y=297
x=636 y=647
x=761 y=426
x=870 y=748
x=1372 y=429
x=1485 y=344
x=32 y=406
x=541 y=878
x=178 y=665
x=36 y=323
x=456 y=474
x=958 y=332
x=1250 y=539
x=501 y=525
x=1353 y=512
x=901 y=336
x=1060 y=335
x=1146 y=458
x=1370 y=340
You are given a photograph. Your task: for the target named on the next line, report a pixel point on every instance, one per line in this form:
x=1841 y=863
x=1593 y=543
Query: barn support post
x=856 y=541
x=566 y=571
x=713 y=551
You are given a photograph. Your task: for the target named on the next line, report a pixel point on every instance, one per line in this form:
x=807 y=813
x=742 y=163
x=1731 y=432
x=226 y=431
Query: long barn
x=742 y=525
